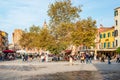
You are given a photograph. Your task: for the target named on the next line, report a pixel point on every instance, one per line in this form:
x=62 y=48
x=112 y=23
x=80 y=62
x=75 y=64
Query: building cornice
x=117 y=8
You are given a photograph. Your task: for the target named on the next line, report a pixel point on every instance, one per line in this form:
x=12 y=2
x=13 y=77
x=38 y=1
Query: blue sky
x=21 y=14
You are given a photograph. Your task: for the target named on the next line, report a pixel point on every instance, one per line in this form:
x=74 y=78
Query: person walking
x=82 y=59
x=103 y=58
x=109 y=58
x=90 y=58
x=23 y=57
x=118 y=58
x=46 y=57
x=87 y=58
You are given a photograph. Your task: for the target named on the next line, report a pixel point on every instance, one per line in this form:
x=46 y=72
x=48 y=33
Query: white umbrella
x=0 y=51
x=21 y=51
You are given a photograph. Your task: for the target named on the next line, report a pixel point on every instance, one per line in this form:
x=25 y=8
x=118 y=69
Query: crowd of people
x=44 y=57
x=7 y=56
x=86 y=57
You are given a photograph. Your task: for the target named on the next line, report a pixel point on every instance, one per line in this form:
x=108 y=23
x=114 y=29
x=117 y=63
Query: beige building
x=117 y=26
x=16 y=37
x=3 y=40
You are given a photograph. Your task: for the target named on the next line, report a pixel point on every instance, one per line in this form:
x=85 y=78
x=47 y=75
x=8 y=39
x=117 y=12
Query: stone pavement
x=18 y=70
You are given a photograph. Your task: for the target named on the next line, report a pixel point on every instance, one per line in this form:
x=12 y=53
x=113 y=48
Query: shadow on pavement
x=109 y=71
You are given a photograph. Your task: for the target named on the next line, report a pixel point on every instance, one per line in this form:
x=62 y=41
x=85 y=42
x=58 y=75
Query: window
x=109 y=34
x=101 y=45
x=115 y=13
x=100 y=35
x=112 y=33
x=104 y=35
x=116 y=33
x=113 y=44
x=105 y=45
x=108 y=44
x=116 y=22
x=116 y=43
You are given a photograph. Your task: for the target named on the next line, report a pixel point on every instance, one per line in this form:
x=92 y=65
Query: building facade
x=3 y=40
x=107 y=38
x=117 y=26
x=16 y=36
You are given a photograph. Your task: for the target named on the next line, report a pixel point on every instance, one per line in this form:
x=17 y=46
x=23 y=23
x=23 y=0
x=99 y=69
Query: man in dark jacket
x=109 y=58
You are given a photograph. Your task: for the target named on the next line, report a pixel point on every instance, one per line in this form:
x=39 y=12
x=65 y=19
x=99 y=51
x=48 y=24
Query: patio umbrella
x=67 y=52
x=21 y=51
x=8 y=51
x=0 y=51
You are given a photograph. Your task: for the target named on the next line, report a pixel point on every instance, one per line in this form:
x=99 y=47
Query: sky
x=21 y=14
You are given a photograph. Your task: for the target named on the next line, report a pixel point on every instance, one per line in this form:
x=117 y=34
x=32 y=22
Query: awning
x=106 y=50
x=100 y=49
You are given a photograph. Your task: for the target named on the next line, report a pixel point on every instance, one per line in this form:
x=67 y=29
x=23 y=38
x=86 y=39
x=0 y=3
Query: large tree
x=62 y=17
x=67 y=27
x=28 y=39
x=39 y=38
x=63 y=11
x=84 y=32
x=45 y=39
x=118 y=50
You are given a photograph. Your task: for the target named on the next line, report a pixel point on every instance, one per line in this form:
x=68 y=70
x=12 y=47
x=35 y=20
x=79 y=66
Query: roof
x=117 y=8
x=103 y=29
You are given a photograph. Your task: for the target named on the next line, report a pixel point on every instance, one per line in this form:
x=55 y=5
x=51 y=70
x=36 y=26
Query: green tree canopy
x=84 y=32
x=118 y=50
x=63 y=11
x=66 y=28
x=29 y=37
x=45 y=38
x=62 y=17
x=37 y=37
